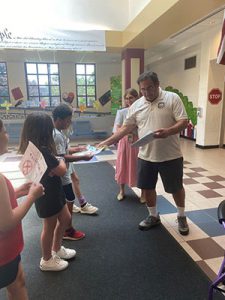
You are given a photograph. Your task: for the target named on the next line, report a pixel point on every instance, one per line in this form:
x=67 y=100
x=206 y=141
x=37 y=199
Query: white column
x=211 y=76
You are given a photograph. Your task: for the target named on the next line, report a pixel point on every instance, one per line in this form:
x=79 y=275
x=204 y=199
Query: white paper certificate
x=91 y=150
x=148 y=138
x=32 y=164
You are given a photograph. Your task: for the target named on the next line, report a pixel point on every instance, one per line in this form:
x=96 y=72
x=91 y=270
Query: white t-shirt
x=163 y=112
x=120 y=117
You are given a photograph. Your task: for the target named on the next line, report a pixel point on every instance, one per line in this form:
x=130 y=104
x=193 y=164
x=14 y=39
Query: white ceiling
x=96 y=14
x=188 y=36
x=71 y=14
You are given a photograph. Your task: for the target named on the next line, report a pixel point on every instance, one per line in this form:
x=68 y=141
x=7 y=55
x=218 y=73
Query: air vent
x=190 y=63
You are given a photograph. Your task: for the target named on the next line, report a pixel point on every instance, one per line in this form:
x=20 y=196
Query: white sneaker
x=65 y=253
x=88 y=209
x=76 y=209
x=55 y=263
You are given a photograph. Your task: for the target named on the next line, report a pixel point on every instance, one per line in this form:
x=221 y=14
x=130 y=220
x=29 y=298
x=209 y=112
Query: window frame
x=6 y=98
x=86 y=96
x=49 y=85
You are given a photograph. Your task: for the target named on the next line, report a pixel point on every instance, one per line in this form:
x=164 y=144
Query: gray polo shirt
x=61 y=143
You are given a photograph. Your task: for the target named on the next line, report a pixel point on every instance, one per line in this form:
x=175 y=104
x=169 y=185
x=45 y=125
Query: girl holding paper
x=51 y=207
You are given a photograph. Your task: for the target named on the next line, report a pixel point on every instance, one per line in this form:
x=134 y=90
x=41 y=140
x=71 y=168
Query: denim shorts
x=68 y=190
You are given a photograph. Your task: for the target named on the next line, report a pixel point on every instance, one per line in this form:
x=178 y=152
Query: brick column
x=132 y=67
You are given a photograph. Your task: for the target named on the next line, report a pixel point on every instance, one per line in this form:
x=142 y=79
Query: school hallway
x=204 y=182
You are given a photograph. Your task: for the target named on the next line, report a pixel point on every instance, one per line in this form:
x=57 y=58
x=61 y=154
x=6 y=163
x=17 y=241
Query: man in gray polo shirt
x=163 y=113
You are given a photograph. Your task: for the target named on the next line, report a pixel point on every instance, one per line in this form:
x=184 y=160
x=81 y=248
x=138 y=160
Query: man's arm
x=176 y=128
x=124 y=130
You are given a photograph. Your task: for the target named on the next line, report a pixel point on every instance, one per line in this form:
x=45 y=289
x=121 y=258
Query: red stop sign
x=215 y=96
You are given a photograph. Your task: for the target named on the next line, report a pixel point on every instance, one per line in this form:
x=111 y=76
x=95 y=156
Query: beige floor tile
x=137 y=191
x=200 y=202
x=214 y=263
x=206 y=204
x=171 y=219
x=185 y=176
x=212 y=203
x=187 y=171
x=203 y=179
x=195 y=187
x=220 y=191
x=220 y=240
x=207 y=173
x=193 y=195
x=189 y=206
x=195 y=232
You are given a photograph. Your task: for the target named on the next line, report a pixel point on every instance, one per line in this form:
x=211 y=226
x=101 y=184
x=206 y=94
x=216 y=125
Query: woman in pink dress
x=126 y=162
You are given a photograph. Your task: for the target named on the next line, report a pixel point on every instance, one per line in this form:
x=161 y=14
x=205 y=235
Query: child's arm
x=9 y=217
x=72 y=158
x=77 y=149
x=60 y=170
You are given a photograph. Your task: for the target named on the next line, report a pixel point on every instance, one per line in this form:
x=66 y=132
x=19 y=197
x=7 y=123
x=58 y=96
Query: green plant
x=116 y=93
x=190 y=109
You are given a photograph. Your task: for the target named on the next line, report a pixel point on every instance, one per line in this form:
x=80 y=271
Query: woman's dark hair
x=148 y=76
x=132 y=92
x=62 y=111
x=37 y=128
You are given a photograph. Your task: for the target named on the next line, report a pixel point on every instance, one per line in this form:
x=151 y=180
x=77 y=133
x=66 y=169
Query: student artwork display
x=17 y=93
x=43 y=104
x=82 y=108
x=190 y=131
x=96 y=105
x=6 y=105
x=105 y=98
x=68 y=97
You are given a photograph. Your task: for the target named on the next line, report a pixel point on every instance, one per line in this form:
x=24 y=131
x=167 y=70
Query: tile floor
x=204 y=181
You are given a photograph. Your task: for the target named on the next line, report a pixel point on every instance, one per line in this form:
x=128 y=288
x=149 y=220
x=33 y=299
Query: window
x=85 y=84
x=4 y=88
x=43 y=84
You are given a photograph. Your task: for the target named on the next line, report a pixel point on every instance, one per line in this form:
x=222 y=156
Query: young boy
x=62 y=117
